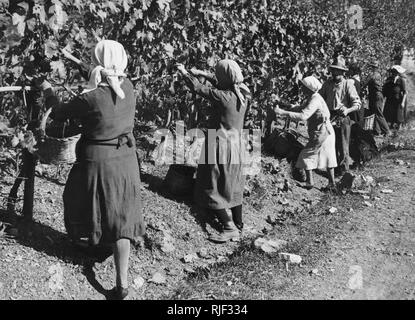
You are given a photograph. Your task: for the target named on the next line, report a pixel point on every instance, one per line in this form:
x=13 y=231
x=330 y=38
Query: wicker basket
x=369 y=122
x=51 y=150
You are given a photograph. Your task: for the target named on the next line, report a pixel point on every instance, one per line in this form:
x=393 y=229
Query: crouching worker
x=320 y=152
x=102 y=194
x=219 y=179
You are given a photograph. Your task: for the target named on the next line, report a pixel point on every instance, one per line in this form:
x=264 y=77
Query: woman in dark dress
x=394 y=90
x=102 y=194
x=220 y=179
x=376 y=105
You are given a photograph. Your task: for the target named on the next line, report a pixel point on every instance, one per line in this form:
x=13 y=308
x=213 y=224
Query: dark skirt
x=102 y=195
x=220 y=185
x=393 y=112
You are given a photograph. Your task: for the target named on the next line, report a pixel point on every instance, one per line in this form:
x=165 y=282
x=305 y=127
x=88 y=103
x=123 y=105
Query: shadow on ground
x=201 y=215
x=54 y=243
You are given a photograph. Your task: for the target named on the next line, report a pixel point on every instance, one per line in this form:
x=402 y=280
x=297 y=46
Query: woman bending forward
x=320 y=152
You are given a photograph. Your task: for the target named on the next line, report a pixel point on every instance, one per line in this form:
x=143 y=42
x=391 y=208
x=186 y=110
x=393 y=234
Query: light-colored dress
x=320 y=151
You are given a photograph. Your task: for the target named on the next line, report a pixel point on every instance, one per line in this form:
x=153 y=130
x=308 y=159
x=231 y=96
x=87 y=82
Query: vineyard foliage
x=387 y=29
x=275 y=42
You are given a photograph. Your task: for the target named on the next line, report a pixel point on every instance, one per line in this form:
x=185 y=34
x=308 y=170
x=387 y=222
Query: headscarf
x=399 y=73
x=398 y=68
x=312 y=83
x=110 y=60
x=229 y=76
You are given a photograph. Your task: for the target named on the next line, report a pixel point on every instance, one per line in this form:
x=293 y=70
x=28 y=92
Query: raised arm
x=205 y=91
x=208 y=76
x=84 y=68
x=195 y=86
x=285 y=104
x=302 y=115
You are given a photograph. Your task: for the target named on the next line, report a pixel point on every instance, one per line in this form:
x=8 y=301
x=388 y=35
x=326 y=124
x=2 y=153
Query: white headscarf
x=229 y=75
x=110 y=60
x=398 y=68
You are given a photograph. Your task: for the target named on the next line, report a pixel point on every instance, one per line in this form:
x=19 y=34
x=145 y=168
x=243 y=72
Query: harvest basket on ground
x=284 y=144
x=58 y=142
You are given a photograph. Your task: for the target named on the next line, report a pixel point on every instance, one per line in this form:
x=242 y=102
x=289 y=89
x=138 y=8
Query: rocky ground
x=372 y=256
x=38 y=262
x=354 y=245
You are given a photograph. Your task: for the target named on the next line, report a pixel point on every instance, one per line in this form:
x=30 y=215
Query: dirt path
x=372 y=256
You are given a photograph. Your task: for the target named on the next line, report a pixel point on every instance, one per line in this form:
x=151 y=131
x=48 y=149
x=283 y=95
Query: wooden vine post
x=32 y=100
x=33 y=104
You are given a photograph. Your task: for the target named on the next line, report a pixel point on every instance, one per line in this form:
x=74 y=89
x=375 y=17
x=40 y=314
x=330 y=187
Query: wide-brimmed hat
x=398 y=68
x=312 y=83
x=339 y=63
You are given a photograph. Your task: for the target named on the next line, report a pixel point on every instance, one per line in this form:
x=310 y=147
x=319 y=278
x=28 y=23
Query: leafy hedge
x=275 y=42
x=388 y=28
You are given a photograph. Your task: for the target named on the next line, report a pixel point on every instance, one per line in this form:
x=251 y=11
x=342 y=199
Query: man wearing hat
x=342 y=99
x=320 y=151
x=374 y=85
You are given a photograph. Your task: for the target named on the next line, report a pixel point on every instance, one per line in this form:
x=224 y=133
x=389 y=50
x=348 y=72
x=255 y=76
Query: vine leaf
x=58 y=68
x=31 y=24
x=19 y=21
x=4 y=3
x=169 y=50
x=253 y=28
x=39 y=11
x=126 y=5
x=78 y=4
x=112 y=6
x=24 y=6
x=51 y=48
x=102 y=14
x=59 y=17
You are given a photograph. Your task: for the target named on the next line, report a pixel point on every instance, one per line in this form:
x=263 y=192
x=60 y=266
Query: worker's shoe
x=118 y=293
x=225 y=236
x=309 y=186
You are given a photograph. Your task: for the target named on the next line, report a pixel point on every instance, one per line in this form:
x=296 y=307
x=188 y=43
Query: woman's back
x=227 y=112
x=108 y=115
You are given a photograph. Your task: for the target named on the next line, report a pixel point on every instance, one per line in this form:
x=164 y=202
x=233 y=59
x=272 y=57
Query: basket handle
x=44 y=119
